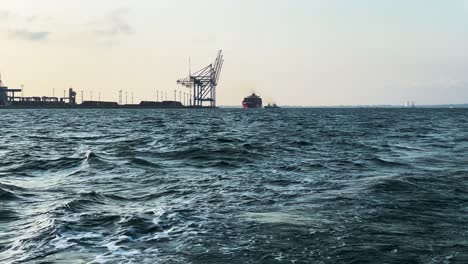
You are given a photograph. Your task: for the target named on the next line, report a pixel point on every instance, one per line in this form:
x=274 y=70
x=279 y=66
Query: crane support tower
x=203 y=83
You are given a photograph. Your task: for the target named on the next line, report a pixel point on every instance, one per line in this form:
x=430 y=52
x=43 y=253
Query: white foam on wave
x=112 y=245
x=163 y=235
x=61 y=243
x=116 y=252
x=88 y=154
x=24 y=246
x=64 y=240
x=119 y=256
x=158 y=213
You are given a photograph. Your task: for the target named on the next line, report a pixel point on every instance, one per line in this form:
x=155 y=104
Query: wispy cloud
x=5 y=15
x=20 y=27
x=111 y=28
x=28 y=35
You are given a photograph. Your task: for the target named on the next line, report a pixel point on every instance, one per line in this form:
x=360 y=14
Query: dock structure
x=7 y=95
x=203 y=83
x=9 y=100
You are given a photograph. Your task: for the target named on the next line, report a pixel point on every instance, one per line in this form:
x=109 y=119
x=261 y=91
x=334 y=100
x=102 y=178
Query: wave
x=232 y=156
x=9 y=192
x=154 y=196
x=322 y=185
x=7 y=215
x=143 y=162
x=387 y=163
x=61 y=163
x=84 y=201
x=24 y=248
x=98 y=161
x=393 y=185
x=304 y=167
x=226 y=140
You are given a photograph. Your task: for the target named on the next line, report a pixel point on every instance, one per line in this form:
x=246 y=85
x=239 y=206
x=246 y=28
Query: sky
x=291 y=52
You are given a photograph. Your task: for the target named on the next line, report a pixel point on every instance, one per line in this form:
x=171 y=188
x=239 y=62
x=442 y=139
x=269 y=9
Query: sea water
x=234 y=186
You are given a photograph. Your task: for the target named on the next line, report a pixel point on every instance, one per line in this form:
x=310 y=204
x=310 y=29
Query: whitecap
x=88 y=154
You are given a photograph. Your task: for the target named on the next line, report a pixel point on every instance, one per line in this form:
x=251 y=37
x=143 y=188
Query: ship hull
x=249 y=106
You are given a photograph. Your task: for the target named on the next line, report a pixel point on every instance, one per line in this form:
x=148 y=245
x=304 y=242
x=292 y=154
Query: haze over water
x=234 y=186
x=296 y=52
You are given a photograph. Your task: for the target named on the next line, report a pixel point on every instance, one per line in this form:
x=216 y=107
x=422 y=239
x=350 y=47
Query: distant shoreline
x=458 y=106
x=449 y=106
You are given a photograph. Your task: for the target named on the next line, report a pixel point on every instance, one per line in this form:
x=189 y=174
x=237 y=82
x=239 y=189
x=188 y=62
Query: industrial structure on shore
x=204 y=83
x=202 y=86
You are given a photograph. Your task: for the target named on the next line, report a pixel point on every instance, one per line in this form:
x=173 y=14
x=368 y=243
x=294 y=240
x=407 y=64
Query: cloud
x=114 y=25
x=27 y=35
x=5 y=14
x=18 y=26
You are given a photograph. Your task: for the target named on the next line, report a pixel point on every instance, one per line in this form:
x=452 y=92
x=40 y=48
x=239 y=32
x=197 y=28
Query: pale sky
x=293 y=52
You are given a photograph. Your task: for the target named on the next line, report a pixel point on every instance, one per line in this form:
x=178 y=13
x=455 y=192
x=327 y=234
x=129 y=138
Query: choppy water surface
x=234 y=186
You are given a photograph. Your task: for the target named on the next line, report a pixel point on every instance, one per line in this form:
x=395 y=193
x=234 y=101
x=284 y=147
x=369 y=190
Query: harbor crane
x=204 y=83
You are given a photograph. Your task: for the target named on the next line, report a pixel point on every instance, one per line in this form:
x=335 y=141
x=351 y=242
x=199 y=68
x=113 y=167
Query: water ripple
x=234 y=186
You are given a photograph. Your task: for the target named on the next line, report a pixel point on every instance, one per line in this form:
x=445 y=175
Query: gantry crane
x=204 y=83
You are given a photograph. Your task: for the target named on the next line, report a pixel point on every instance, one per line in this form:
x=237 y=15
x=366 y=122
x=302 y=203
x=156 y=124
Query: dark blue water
x=234 y=186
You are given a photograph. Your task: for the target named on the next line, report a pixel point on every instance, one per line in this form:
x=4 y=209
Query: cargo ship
x=252 y=101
